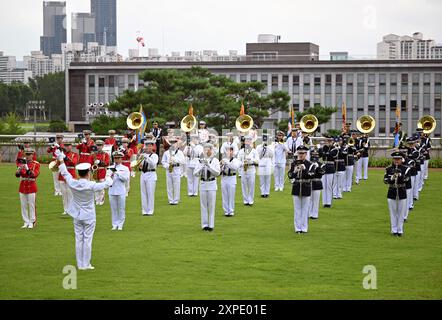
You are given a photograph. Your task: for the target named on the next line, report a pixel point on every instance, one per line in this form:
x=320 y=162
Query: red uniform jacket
x=52 y=150
x=28 y=177
x=71 y=160
x=86 y=152
x=127 y=158
x=102 y=166
x=21 y=155
x=113 y=142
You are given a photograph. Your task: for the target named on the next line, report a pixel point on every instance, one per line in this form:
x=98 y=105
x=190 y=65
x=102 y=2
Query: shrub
x=12 y=126
x=103 y=124
x=435 y=163
x=57 y=126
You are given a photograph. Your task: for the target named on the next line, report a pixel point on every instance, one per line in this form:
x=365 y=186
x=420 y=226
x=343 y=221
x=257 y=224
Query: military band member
x=301 y=172
x=127 y=158
x=21 y=152
x=208 y=169
x=354 y=135
x=203 y=133
x=230 y=143
x=173 y=160
x=70 y=160
x=117 y=192
x=57 y=144
x=111 y=140
x=396 y=176
x=329 y=152
x=319 y=169
x=265 y=164
x=426 y=141
x=414 y=153
x=132 y=145
x=249 y=160
x=85 y=148
x=192 y=153
x=229 y=168
x=281 y=150
x=82 y=209
x=363 y=148
x=28 y=171
x=148 y=179
x=102 y=160
x=157 y=133
x=422 y=148
x=349 y=161
x=340 y=170
x=409 y=163
x=294 y=141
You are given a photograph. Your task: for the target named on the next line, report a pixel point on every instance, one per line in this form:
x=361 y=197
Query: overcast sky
x=222 y=25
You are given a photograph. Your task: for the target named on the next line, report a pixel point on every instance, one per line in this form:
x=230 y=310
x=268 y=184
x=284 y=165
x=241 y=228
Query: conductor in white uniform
x=82 y=208
x=117 y=192
x=208 y=169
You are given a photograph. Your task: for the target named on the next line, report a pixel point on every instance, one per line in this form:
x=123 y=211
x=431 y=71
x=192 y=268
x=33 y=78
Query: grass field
x=255 y=255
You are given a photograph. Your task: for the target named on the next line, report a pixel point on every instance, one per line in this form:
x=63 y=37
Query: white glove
x=109 y=173
x=302 y=167
x=83 y=141
x=26 y=167
x=56 y=145
x=61 y=156
x=57 y=153
x=97 y=162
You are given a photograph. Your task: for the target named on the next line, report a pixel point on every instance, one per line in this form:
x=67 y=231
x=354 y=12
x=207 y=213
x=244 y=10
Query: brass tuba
x=53 y=166
x=309 y=123
x=428 y=123
x=134 y=120
x=244 y=123
x=366 y=124
x=188 y=123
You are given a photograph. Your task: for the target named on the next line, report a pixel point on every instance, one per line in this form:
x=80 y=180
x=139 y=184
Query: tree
x=216 y=99
x=51 y=89
x=322 y=113
x=57 y=126
x=12 y=121
x=103 y=124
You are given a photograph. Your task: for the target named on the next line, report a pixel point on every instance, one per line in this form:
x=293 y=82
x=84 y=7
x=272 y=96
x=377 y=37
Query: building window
x=111 y=81
x=242 y=78
x=404 y=78
x=328 y=78
x=382 y=79
x=131 y=81
x=264 y=79
x=253 y=78
x=232 y=77
x=339 y=78
x=91 y=81
x=101 y=82
x=350 y=78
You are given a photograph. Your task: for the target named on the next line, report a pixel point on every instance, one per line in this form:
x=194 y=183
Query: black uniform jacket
x=396 y=183
x=302 y=185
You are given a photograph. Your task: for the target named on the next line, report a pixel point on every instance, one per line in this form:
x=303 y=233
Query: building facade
x=407 y=48
x=105 y=12
x=366 y=87
x=54 y=27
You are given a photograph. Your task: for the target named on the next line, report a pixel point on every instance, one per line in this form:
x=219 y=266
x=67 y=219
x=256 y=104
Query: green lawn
x=255 y=255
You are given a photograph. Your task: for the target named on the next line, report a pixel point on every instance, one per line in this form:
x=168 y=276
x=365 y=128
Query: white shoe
x=64 y=213
x=89 y=267
x=120 y=228
x=114 y=228
x=81 y=268
x=25 y=226
x=30 y=226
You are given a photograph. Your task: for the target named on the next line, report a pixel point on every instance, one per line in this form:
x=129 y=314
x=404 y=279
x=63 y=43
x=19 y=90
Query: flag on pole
x=191 y=110
x=140 y=134
x=140 y=40
x=291 y=121
x=396 y=128
x=344 y=117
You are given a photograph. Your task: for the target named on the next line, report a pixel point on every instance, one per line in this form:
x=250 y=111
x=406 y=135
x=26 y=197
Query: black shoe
x=399 y=234
x=410 y=208
x=415 y=199
x=210 y=229
x=394 y=234
x=313 y=218
x=405 y=220
x=205 y=228
x=263 y=196
x=298 y=231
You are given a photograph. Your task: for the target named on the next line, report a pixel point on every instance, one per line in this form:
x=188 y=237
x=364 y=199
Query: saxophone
x=170 y=165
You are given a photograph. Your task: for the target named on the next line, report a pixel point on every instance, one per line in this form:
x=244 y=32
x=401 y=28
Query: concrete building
x=105 y=12
x=15 y=75
x=83 y=28
x=366 y=86
x=7 y=62
x=93 y=52
x=54 y=27
x=39 y=64
x=413 y=47
x=338 y=56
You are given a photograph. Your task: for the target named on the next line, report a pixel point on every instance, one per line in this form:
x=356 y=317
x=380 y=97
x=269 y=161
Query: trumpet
x=136 y=163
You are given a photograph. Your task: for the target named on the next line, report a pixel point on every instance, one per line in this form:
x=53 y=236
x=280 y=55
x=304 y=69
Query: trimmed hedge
x=385 y=162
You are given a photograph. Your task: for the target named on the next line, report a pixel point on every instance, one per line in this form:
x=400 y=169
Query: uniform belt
x=317 y=180
x=398 y=186
x=303 y=180
x=175 y=165
x=229 y=175
x=210 y=179
x=149 y=170
x=84 y=154
x=27 y=179
x=70 y=167
x=329 y=162
x=339 y=160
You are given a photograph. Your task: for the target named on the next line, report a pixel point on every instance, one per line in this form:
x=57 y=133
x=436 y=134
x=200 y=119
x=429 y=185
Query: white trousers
x=348 y=178
x=397 y=211
x=84 y=233
x=192 y=182
x=56 y=182
x=362 y=165
x=173 y=183
x=279 y=174
x=28 y=210
x=415 y=185
x=118 y=209
x=208 y=201
x=248 y=187
x=302 y=206
x=147 y=186
x=314 y=204
x=426 y=169
x=228 y=189
x=421 y=177
x=99 y=195
x=66 y=195
x=264 y=184
x=327 y=193
x=338 y=182
x=409 y=202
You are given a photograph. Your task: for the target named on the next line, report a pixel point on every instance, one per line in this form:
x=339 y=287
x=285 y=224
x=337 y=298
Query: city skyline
x=230 y=25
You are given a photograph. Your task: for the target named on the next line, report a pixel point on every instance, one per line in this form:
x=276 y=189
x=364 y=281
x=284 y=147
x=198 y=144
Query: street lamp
x=38 y=105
